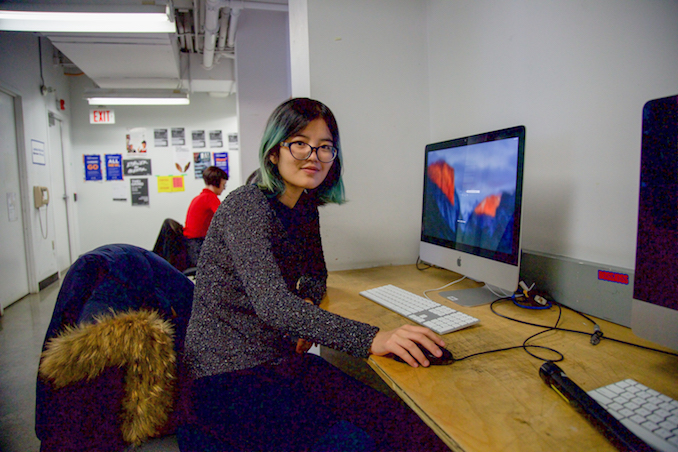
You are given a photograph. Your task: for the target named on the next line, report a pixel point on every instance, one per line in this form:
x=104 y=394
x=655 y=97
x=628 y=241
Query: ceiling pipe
x=232 y=27
x=223 y=30
x=212 y=8
x=196 y=24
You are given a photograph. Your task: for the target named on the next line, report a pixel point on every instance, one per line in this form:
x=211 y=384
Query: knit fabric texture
x=260 y=260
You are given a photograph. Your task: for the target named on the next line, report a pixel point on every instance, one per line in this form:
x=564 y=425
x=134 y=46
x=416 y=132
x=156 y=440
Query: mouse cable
x=525 y=346
x=596 y=334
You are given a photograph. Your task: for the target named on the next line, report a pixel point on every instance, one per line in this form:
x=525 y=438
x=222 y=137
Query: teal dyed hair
x=287 y=120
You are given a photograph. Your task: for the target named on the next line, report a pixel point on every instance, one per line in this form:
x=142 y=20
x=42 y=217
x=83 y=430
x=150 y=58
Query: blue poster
x=221 y=160
x=113 y=166
x=92 y=167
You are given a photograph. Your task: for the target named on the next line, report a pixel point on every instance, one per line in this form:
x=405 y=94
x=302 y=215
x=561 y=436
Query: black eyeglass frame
x=335 y=151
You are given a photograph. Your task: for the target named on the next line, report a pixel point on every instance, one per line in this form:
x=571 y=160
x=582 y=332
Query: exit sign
x=101 y=117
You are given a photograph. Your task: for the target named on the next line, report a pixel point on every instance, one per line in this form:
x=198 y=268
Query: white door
x=13 y=262
x=59 y=196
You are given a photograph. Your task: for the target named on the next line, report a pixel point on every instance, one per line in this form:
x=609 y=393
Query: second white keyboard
x=439 y=318
x=650 y=415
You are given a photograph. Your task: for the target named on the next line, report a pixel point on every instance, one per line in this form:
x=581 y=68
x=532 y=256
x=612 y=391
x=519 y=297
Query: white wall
x=368 y=64
x=103 y=220
x=576 y=74
x=262 y=74
x=400 y=74
x=20 y=73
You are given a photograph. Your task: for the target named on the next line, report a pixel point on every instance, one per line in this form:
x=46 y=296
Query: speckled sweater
x=259 y=261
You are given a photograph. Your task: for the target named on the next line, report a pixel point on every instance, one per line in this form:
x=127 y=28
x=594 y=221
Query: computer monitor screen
x=472 y=208
x=655 y=286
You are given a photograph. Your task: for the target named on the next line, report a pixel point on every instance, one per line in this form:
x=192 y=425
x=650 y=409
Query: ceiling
x=161 y=60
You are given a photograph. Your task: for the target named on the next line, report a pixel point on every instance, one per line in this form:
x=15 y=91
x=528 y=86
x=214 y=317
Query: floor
x=22 y=331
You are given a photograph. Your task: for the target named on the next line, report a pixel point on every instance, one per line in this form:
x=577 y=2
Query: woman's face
x=303 y=174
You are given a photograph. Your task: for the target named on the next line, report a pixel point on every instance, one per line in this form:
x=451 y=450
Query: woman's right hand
x=403 y=342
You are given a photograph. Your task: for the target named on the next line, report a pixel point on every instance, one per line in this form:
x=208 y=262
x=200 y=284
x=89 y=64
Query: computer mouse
x=445 y=359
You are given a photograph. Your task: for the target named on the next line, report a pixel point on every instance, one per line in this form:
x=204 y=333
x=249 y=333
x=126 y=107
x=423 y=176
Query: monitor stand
x=471 y=297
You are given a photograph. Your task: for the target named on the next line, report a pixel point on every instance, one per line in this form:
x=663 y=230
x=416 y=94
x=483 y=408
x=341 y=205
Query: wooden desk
x=498 y=402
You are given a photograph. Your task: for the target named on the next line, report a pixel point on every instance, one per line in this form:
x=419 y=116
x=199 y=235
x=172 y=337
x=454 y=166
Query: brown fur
x=140 y=341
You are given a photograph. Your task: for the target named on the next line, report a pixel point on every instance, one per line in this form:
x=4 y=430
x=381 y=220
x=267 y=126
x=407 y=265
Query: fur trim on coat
x=142 y=343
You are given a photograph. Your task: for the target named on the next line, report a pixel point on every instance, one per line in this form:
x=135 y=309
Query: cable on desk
x=596 y=336
x=444 y=287
x=524 y=347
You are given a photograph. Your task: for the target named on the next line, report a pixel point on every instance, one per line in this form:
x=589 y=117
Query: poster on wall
x=113 y=166
x=160 y=138
x=38 y=152
x=92 y=167
x=221 y=160
x=136 y=140
x=137 y=167
x=198 y=139
x=233 y=144
x=139 y=191
x=178 y=136
x=171 y=184
x=216 y=139
x=201 y=160
x=119 y=191
x=182 y=159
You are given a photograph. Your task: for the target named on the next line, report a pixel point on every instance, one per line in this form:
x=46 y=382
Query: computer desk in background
x=498 y=401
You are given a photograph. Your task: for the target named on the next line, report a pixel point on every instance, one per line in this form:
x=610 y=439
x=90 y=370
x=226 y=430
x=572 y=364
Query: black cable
x=596 y=336
x=525 y=346
x=424 y=268
x=42 y=79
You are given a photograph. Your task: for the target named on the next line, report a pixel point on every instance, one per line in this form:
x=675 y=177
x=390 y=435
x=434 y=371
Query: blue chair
x=111 y=372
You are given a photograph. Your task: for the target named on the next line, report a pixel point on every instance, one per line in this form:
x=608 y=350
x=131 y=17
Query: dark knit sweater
x=259 y=261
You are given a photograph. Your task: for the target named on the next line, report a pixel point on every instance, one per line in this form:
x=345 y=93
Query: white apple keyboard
x=650 y=415
x=439 y=318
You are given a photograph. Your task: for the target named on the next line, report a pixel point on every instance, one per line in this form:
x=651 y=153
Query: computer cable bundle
x=595 y=337
x=546 y=302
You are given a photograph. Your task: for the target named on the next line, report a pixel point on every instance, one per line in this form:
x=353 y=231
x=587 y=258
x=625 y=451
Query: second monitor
x=471 y=217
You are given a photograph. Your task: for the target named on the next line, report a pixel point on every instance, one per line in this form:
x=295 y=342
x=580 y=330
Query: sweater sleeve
x=248 y=241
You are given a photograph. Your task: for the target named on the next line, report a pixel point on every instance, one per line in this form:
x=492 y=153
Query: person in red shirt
x=201 y=211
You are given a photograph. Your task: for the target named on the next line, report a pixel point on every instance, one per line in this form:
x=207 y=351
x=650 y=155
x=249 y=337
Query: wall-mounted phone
x=40 y=196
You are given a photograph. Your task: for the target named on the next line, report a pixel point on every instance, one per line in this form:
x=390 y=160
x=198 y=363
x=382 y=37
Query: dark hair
x=287 y=120
x=213 y=175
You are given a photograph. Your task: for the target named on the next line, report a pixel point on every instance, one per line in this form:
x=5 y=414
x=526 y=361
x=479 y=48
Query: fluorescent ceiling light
x=136 y=97
x=155 y=20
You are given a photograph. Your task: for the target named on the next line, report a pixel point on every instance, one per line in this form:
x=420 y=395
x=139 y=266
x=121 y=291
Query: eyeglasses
x=303 y=151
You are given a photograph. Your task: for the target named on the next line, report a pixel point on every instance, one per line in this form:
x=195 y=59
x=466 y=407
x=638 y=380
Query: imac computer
x=654 y=312
x=471 y=212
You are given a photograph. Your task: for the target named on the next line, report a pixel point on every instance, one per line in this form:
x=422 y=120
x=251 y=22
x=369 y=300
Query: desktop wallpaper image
x=470 y=195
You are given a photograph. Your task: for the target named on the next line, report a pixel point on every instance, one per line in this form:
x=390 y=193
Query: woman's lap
x=291 y=406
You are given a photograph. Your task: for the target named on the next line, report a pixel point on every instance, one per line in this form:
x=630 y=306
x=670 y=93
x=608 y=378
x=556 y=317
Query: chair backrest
x=115 y=292
x=171 y=244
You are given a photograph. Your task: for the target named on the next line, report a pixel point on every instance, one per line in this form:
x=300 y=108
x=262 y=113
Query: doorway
x=14 y=278
x=62 y=201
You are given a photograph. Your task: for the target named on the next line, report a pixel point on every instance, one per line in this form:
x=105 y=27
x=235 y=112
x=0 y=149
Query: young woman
x=261 y=275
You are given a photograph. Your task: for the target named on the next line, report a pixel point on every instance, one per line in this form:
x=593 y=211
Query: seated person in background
x=201 y=211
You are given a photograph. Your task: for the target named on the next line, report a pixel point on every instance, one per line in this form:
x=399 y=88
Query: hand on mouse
x=403 y=343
